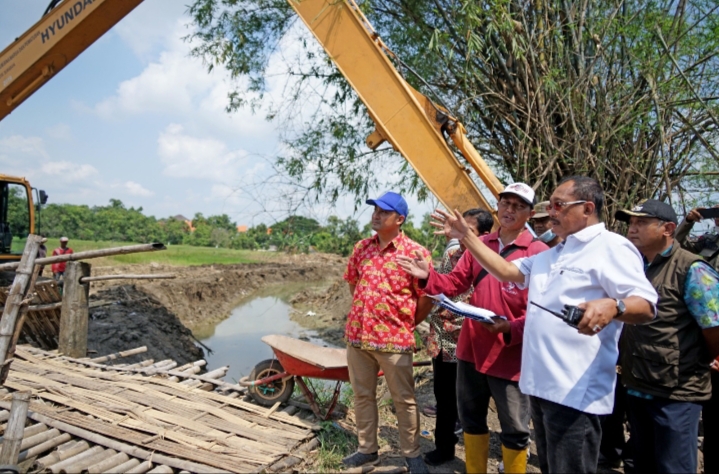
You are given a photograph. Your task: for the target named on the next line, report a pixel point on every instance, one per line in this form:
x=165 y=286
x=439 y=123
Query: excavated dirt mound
x=202 y=295
x=134 y=318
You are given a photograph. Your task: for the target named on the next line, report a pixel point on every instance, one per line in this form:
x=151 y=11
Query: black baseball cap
x=649 y=208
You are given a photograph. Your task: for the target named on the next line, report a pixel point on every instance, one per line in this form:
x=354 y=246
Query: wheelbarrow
x=273 y=380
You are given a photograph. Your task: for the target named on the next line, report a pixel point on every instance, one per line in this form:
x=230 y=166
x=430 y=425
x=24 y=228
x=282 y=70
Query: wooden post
x=72 y=340
x=21 y=285
x=15 y=428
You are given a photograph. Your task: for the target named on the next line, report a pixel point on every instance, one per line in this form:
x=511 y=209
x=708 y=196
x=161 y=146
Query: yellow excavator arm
x=54 y=41
x=405 y=118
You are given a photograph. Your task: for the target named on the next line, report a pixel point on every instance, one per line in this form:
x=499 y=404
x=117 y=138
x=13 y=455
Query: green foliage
x=18 y=213
x=118 y=223
x=624 y=91
x=335 y=443
x=181 y=255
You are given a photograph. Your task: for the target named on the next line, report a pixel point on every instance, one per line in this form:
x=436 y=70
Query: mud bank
x=204 y=295
x=324 y=311
x=131 y=318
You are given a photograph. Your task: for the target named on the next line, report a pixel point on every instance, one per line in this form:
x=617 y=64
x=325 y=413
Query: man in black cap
x=665 y=362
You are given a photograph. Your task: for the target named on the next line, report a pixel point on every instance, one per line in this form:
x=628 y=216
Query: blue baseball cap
x=390 y=201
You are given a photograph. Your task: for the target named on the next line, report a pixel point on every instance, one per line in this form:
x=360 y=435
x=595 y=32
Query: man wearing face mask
x=489 y=355
x=706 y=245
x=569 y=371
x=542 y=225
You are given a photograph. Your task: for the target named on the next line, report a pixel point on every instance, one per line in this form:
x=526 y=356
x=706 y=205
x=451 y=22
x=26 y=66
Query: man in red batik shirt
x=489 y=355
x=386 y=305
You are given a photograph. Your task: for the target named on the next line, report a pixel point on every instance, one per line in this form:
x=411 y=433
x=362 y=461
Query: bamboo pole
x=60 y=455
x=159 y=276
x=41 y=448
x=141 y=468
x=73 y=257
x=72 y=340
x=18 y=326
x=124 y=467
x=15 y=428
x=20 y=287
x=58 y=468
x=162 y=470
x=82 y=464
x=39 y=438
x=119 y=446
x=107 y=464
x=31 y=430
x=117 y=355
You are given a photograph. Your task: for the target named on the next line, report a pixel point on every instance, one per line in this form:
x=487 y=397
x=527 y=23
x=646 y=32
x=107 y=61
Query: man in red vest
x=58 y=269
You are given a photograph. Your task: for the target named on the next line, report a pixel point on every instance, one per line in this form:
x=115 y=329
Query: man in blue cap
x=387 y=304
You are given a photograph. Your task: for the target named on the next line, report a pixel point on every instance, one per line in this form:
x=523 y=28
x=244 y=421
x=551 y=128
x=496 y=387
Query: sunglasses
x=559 y=205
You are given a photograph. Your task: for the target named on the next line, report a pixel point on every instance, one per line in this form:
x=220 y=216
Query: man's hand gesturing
x=452 y=226
x=418 y=267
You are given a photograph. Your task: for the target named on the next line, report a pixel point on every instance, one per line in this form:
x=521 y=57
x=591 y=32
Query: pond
x=236 y=340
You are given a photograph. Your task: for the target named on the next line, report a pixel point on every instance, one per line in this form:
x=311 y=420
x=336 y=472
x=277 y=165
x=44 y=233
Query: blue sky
x=136 y=118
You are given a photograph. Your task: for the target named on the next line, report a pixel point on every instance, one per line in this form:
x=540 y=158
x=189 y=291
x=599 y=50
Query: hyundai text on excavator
x=410 y=122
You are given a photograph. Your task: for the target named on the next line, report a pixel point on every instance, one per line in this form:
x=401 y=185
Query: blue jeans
x=664 y=434
x=567 y=439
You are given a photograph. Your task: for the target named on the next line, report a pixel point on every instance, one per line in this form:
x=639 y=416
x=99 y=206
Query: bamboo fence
x=42 y=322
x=96 y=418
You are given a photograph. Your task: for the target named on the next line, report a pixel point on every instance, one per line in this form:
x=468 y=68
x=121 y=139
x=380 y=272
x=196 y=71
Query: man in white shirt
x=569 y=372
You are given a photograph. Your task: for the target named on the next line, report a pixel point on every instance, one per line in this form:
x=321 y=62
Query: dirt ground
x=162 y=313
x=202 y=295
x=132 y=319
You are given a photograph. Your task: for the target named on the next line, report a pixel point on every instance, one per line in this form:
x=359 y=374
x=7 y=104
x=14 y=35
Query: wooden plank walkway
x=134 y=419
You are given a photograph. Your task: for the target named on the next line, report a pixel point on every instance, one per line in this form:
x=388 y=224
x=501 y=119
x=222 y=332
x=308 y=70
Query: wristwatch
x=621 y=307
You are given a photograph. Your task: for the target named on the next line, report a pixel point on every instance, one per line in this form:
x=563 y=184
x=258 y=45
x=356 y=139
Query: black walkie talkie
x=570 y=314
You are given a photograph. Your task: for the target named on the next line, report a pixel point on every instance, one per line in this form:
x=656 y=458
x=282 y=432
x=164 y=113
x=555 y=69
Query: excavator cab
x=17 y=215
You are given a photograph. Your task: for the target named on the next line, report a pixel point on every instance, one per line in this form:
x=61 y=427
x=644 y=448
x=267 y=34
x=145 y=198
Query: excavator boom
x=54 y=41
x=405 y=118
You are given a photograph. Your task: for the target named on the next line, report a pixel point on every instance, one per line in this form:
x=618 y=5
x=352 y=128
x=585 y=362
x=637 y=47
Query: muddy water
x=236 y=340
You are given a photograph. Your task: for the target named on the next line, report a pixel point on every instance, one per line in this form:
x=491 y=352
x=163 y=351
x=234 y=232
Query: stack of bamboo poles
x=98 y=418
x=42 y=322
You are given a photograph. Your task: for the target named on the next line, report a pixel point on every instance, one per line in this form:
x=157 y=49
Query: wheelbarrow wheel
x=269 y=394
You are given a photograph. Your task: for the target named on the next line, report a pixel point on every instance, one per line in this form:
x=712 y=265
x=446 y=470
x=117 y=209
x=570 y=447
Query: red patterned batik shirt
x=385 y=297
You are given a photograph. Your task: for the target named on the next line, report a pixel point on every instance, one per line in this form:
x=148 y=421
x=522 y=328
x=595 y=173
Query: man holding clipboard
x=489 y=355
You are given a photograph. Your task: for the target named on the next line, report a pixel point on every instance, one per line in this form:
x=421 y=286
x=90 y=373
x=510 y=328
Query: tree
x=624 y=91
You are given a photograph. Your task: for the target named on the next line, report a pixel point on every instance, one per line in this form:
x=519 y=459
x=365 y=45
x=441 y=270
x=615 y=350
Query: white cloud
x=136 y=189
x=33 y=146
x=69 y=172
x=185 y=156
x=61 y=131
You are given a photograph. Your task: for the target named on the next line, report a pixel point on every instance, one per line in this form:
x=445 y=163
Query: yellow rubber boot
x=476 y=452
x=515 y=461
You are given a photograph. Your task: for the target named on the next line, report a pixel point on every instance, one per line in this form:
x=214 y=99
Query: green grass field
x=181 y=255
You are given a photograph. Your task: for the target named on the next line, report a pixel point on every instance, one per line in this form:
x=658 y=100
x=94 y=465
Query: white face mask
x=547 y=237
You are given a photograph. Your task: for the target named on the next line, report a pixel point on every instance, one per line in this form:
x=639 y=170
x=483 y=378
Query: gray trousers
x=473 y=393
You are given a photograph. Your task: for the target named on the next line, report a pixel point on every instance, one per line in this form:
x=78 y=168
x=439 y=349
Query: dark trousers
x=473 y=393
x=710 y=417
x=664 y=434
x=567 y=439
x=445 y=392
x=614 y=445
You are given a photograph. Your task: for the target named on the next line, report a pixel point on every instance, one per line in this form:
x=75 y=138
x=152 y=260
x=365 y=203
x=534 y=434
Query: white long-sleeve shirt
x=558 y=363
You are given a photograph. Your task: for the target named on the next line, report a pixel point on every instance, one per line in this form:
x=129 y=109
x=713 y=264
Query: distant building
x=241 y=229
x=187 y=221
